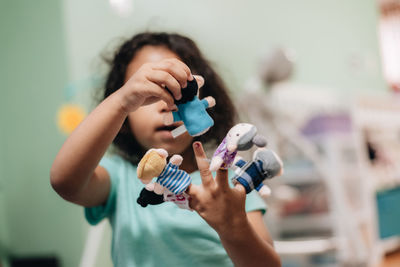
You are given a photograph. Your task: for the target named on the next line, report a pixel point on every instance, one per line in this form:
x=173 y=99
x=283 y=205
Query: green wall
x=33 y=73
x=334 y=41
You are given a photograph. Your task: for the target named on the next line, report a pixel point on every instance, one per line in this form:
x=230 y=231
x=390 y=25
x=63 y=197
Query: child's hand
x=168 y=118
x=147 y=84
x=221 y=206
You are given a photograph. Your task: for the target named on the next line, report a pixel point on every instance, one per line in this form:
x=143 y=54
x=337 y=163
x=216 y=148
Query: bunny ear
x=259 y=140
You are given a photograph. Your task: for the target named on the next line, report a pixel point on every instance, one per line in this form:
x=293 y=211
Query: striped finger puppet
x=174 y=179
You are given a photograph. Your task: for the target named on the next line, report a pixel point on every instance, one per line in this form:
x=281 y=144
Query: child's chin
x=165 y=136
x=173 y=149
x=176 y=147
x=173 y=145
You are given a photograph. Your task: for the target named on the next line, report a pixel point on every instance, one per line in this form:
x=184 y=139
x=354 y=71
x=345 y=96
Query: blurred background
x=323 y=78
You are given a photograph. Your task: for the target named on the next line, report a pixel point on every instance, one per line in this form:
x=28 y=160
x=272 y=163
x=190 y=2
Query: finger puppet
x=240 y=137
x=181 y=200
x=265 y=165
x=170 y=179
x=191 y=111
x=148 y=197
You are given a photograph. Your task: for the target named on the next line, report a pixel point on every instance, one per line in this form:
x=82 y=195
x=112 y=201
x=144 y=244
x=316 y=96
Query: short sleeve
x=204 y=102
x=95 y=214
x=255 y=202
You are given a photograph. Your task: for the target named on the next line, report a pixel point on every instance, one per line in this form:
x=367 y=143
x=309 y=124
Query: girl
x=229 y=230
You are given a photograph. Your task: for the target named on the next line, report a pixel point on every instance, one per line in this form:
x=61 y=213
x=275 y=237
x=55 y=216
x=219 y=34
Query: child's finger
x=202 y=164
x=240 y=188
x=176 y=68
x=192 y=191
x=199 y=80
x=222 y=179
x=164 y=78
x=162 y=94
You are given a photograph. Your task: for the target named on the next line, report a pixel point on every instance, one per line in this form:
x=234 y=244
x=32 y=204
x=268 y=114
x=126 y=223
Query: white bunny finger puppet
x=240 y=137
x=171 y=182
x=265 y=165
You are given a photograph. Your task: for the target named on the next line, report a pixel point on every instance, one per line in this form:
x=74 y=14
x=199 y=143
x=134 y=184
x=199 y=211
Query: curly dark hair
x=224 y=113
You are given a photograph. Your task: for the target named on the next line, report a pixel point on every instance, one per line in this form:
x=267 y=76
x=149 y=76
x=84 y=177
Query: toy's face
x=235 y=134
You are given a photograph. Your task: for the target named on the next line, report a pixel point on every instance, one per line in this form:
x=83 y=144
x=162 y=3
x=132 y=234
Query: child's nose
x=163 y=107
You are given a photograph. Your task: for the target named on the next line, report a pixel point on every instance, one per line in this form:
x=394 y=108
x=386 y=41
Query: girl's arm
x=243 y=235
x=250 y=244
x=75 y=173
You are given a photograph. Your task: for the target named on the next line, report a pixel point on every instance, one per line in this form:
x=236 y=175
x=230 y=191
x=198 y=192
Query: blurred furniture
x=92 y=249
x=313 y=215
x=389 y=31
x=311 y=129
x=377 y=124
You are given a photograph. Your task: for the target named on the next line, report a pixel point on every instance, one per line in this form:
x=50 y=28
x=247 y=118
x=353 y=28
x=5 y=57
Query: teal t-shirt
x=158 y=235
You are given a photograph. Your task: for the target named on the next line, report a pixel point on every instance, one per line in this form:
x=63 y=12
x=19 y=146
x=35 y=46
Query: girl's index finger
x=202 y=164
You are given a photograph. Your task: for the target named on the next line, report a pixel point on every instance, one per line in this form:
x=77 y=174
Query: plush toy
x=240 y=137
x=191 y=111
x=170 y=179
x=149 y=197
x=265 y=165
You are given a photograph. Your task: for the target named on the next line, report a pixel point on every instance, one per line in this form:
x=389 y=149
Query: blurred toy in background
x=191 y=111
x=265 y=165
x=171 y=182
x=69 y=117
x=240 y=137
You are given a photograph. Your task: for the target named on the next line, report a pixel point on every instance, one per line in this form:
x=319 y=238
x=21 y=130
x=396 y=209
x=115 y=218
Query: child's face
x=147 y=121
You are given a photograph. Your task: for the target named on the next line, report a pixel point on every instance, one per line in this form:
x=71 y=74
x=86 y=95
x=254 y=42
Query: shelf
x=302 y=247
x=306 y=222
x=300 y=175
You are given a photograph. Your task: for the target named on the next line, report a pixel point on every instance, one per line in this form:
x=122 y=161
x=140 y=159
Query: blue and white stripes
x=173 y=179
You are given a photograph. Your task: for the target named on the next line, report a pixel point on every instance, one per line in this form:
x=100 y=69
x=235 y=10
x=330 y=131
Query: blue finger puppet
x=192 y=111
x=265 y=165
